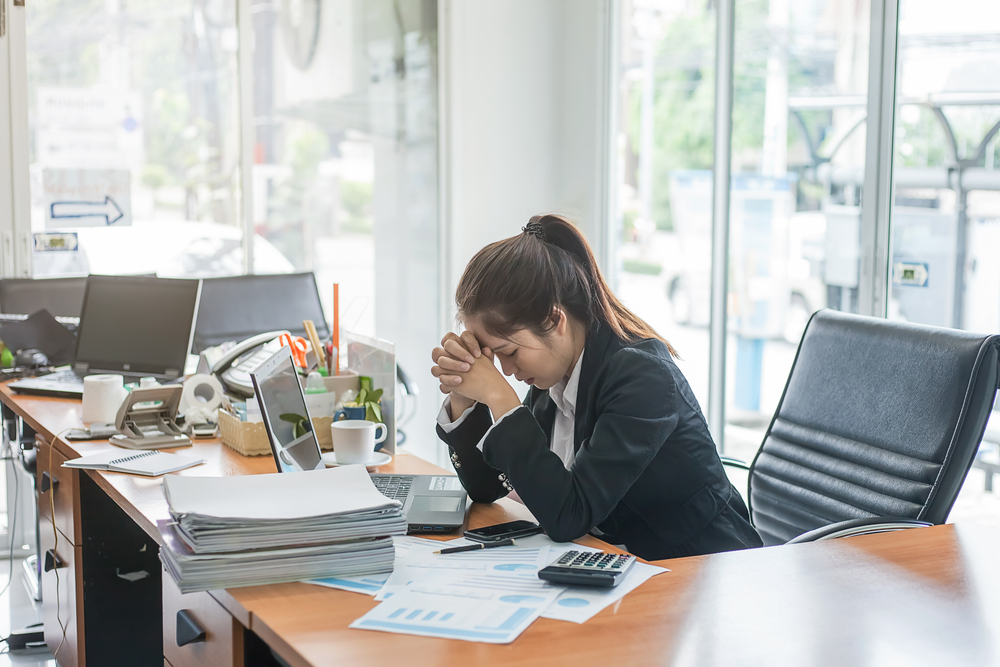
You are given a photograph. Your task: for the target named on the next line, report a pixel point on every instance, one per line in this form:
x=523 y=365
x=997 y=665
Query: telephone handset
x=233 y=369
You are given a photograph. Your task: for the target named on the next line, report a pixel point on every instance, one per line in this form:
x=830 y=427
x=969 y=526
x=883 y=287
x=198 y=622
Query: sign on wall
x=86 y=198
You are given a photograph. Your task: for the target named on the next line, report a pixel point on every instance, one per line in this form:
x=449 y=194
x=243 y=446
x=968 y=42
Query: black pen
x=482 y=545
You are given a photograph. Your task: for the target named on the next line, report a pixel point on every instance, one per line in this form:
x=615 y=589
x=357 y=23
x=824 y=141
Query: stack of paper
x=245 y=531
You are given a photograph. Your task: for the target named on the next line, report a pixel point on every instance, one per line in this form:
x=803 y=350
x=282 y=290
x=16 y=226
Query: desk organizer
x=250 y=438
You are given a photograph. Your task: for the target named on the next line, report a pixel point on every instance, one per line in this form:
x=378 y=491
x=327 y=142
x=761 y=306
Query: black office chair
x=62 y=297
x=875 y=431
x=237 y=307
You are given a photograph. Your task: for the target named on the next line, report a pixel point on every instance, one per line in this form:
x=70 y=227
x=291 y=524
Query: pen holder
x=341 y=383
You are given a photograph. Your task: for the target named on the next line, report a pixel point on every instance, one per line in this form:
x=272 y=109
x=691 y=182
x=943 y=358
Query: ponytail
x=516 y=283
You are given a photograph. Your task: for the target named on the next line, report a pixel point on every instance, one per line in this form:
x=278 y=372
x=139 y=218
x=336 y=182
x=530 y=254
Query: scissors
x=298 y=347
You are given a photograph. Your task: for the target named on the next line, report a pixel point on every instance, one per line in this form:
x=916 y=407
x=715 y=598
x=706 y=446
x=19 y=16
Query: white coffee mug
x=354 y=440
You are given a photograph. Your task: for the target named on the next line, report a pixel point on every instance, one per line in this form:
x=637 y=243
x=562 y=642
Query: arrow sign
x=106 y=209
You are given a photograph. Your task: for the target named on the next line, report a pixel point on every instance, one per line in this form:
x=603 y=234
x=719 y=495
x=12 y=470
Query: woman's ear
x=560 y=323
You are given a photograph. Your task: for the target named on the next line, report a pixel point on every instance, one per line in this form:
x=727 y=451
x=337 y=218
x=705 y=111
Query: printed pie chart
x=510 y=567
x=574 y=602
x=517 y=599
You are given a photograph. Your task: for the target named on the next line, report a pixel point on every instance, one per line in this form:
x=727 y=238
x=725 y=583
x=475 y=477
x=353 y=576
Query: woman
x=610 y=439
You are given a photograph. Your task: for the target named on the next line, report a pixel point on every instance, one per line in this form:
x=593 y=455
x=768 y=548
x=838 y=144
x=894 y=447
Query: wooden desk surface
x=919 y=597
x=926 y=596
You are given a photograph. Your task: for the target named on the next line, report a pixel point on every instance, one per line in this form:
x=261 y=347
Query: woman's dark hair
x=516 y=283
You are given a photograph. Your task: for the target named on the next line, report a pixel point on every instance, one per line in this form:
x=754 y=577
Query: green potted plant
x=369 y=399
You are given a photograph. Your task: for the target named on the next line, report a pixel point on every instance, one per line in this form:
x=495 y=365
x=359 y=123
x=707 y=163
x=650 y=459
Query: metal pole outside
x=244 y=57
x=724 y=47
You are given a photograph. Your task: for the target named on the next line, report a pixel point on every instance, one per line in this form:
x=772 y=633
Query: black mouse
x=30 y=358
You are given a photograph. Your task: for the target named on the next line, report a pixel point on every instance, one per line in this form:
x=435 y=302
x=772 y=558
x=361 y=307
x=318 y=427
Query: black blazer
x=647 y=473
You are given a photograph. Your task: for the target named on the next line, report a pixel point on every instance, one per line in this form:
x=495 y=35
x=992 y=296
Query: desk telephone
x=233 y=369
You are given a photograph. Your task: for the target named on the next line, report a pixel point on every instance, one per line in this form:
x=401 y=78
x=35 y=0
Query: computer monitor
x=237 y=307
x=136 y=326
x=62 y=297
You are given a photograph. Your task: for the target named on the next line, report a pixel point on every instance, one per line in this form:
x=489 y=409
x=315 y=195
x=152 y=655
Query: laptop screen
x=283 y=406
x=137 y=325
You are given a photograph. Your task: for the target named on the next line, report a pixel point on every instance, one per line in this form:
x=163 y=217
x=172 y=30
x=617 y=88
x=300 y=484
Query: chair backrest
x=878 y=418
x=237 y=307
x=62 y=297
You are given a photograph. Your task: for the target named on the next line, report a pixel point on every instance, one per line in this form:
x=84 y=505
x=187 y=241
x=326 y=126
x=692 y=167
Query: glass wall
x=135 y=150
x=799 y=94
x=134 y=138
x=665 y=144
x=945 y=268
x=800 y=87
x=345 y=163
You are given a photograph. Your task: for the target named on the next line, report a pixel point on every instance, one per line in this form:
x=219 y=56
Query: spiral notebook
x=151 y=463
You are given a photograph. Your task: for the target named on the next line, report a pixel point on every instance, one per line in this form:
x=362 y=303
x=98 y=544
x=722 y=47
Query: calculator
x=588 y=568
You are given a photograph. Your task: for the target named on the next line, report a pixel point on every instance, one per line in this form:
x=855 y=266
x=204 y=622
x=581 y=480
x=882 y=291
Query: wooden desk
x=927 y=596
x=918 y=597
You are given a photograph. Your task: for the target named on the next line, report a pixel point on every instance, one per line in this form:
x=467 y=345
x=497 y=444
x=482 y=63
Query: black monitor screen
x=137 y=325
x=237 y=307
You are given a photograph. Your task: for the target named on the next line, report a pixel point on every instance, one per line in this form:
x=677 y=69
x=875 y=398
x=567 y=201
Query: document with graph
x=475 y=606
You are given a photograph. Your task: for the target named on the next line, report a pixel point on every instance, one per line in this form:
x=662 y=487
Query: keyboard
x=396 y=487
x=64 y=377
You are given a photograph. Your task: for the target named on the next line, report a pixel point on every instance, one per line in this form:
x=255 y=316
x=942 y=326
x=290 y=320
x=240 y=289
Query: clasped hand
x=466 y=371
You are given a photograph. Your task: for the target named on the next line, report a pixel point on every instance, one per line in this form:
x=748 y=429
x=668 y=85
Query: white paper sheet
x=578 y=604
x=516 y=561
x=581 y=603
x=276 y=496
x=472 y=606
x=371 y=584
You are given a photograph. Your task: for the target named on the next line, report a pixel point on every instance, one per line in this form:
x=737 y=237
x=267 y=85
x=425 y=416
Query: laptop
x=134 y=326
x=431 y=503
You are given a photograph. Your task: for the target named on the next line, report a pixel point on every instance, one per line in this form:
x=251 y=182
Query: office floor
x=18 y=610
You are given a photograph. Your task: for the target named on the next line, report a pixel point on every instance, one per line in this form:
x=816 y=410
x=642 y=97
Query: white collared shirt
x=563 y=394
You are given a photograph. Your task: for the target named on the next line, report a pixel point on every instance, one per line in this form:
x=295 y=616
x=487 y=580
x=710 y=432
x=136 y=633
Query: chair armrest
x=852 y=527
x=734 y=463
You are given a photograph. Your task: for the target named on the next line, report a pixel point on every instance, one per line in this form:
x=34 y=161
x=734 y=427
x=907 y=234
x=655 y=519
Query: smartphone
x=503 y=531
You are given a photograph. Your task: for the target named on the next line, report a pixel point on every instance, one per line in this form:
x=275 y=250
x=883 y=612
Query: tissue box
x=250 y=438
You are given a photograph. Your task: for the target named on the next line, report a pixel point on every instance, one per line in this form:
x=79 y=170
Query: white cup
x=354 y=440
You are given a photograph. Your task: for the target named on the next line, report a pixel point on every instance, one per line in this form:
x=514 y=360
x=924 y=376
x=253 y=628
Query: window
x=134 y=138
x=665 y=143
x=798 y=157
x=946 y=208
x=799 y=96
x=345 y=164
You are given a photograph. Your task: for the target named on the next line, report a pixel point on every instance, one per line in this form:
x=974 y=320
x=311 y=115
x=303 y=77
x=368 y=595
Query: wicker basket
x=250 y=438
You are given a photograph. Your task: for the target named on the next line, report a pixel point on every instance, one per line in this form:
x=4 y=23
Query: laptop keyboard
x=396 y=487
x=66 y=377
